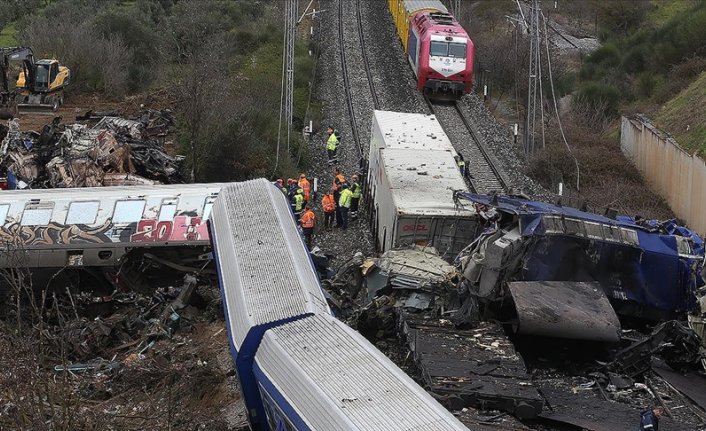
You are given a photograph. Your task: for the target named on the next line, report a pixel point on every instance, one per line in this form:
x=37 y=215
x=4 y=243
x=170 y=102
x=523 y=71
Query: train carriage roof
x=266 y=273
x=333 y=378
x=412 y=6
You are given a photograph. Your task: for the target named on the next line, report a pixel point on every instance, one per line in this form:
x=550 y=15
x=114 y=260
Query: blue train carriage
x=648 y=270
x=317 y=373
x=265 y=273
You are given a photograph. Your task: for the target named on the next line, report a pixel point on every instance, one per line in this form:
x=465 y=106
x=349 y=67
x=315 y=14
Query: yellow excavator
x=40 y=84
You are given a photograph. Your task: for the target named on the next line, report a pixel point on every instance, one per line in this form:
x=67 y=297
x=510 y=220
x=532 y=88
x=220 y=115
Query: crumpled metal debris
x=677 y=344
x=415 y=274
x=115 y=151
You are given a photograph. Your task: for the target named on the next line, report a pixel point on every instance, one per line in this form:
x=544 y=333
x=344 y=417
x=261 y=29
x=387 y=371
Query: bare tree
x=201 y=87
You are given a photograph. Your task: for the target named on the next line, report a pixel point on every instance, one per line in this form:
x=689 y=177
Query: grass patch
x=684 y=117
x=8 y=35
x=662 y=10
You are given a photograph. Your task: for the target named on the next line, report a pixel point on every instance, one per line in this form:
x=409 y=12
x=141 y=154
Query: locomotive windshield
x=439 y=49
x=457 y=50
x=445 y=49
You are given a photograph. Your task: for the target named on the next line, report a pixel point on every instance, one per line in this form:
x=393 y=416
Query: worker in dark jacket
x=357 y=192
x=344 y=204
x=650 y=419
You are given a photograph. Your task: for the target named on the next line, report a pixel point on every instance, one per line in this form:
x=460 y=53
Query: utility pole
x=534 y=88
x=290 y=39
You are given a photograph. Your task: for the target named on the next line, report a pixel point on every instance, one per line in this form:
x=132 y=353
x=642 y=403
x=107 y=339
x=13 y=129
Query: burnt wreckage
x=112 y=151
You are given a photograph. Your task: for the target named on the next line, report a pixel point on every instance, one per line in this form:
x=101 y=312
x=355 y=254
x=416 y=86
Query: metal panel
x=333 y=377
x=423 y=181
x=679 y=177
x=564 y=309
x=405 y=130
x=265 y=269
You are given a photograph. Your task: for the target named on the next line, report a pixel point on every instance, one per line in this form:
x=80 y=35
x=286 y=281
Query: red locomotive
x=437 y=47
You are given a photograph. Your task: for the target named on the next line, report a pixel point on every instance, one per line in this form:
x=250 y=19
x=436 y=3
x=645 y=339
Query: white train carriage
x=266 y=275
x=412 y=177
x=96 y=226
x=318 y=374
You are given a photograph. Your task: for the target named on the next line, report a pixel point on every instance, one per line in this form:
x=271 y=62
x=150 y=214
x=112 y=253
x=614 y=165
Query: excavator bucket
x=39 y=108
x=39 y=103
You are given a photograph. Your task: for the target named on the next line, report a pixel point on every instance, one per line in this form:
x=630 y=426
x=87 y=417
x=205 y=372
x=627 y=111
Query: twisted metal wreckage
x=113 y=151
x=544 y=270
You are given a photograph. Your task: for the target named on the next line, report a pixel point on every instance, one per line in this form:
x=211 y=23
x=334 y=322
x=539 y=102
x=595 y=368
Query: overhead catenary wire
x=556 y=109
x=281 y=101
x=312 y=82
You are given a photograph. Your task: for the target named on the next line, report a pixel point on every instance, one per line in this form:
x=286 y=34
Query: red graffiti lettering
x=152 y=231
x=189 y=229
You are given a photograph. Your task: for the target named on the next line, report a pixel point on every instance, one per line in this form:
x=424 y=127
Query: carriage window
x=128 y=211
x=4 y=209
x=82 y=212
x=208 y=207
x=439 y=49
x=167 y=211
x=457 y=50
x=37 y=215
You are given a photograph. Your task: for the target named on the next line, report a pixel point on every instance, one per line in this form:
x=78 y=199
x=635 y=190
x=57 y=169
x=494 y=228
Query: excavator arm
x=26 y=57
x=8 y=104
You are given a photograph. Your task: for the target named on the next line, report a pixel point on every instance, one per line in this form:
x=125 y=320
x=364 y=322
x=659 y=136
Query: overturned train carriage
x=569 y=272
x=299 y=367
x=412 y=177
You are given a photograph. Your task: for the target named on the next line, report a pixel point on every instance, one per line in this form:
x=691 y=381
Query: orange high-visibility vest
x=307 y=219
x=306 y=186
x=337 y=181
x=328 y=203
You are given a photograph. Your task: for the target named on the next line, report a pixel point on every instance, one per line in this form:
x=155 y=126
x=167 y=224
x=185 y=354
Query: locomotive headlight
x=449 y=38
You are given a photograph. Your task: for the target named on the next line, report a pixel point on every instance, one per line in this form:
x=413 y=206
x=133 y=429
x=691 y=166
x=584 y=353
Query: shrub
x=598 y=97
x=647 y=83
x=634 y=60
x=607 y=55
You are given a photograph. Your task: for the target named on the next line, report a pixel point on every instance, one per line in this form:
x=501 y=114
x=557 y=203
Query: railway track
x=347 y=79
x=485 y=175
x=361 y=34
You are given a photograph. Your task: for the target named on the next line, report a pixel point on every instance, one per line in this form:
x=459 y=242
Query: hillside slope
x=684 y=116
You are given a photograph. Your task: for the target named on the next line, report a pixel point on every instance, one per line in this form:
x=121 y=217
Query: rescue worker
x=329 y=206
x=356 y=193
x=461 y=163
x=344 y=204
x=307 y=221
x=331 y=145
x=338 y=181
x=291 y=191
x=649 y=421
x=306 y=186
x=299 y=203
x=280 y=186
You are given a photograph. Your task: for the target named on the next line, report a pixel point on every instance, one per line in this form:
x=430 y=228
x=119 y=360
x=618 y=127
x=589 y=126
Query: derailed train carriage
x=572 y=274
x=299 y=367
x=98 y=226
x=438 y=48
